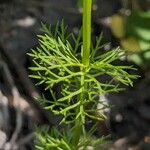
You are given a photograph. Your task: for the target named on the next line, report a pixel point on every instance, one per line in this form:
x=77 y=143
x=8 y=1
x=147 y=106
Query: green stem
x=87 y=6
x=79 y=124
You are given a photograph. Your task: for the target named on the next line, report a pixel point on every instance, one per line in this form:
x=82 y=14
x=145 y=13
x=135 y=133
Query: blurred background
x=124 y=23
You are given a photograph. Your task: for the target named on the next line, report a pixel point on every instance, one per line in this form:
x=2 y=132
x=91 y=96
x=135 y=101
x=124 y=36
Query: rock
x=3 y=138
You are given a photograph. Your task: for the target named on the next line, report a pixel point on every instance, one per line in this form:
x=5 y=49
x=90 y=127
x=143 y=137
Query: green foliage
x=138 y=25
x=74 y=65
x=134 y=34
x=55 y=140
x=57 y=63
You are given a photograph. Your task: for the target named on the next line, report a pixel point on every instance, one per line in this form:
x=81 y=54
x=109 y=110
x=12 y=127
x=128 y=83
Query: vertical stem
x=87 y=6
x=87 y=9
x=79 y=124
